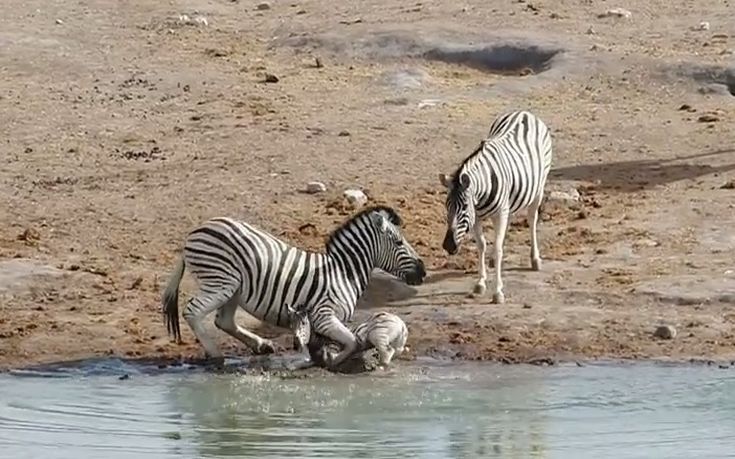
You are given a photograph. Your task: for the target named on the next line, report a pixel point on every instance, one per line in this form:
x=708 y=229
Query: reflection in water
x=451 y=411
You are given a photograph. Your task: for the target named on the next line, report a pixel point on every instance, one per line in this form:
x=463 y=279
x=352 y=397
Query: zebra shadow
x=384 y=289
x=627 y=176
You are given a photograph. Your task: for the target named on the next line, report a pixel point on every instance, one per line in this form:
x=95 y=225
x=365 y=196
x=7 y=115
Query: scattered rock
x=315 y=187
x=351 y=21
x=591 y=31
x=616 y=12
x=688 y=108
x=564 y=196
x=318 y=63
x=30 y=236
x=428 y=103
x=708 y=118
x=355 y=198
x=59 y=21
x=344 y=134
x=270 y=78
x=263 y=6
x=704 y=25
x=124 y=377
x=665 y=332
x=201 y=20
x=728 y=185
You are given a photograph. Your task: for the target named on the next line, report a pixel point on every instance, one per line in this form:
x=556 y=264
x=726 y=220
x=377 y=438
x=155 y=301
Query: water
x=424 y=411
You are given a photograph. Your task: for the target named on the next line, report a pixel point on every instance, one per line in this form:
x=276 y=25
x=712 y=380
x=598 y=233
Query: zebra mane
x=388 y=212
x=455 y=176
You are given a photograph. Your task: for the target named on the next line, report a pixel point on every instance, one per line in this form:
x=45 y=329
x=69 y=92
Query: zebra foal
x=505 y=174
x=383 y=331
x=237 y=264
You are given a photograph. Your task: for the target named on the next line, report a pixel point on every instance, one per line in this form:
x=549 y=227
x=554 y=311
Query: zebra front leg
x=500 y=223
x=225 y=321
x=481 y=241
x=334 y=329
x=532 y=226
x=385 y=354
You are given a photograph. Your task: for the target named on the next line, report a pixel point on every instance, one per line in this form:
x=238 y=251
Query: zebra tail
x=170 y=301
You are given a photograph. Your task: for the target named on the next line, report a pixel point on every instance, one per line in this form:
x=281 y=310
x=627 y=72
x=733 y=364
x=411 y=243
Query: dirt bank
x=130 y=124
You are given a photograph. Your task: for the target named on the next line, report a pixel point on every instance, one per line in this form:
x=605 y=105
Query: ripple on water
x=456 y=410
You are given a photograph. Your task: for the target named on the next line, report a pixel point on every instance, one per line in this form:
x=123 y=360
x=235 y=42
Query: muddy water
x=426 y=410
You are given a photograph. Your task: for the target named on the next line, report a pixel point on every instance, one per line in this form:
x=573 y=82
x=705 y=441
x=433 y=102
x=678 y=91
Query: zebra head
x=301 y=326
x=394 y=254
x=460 y=209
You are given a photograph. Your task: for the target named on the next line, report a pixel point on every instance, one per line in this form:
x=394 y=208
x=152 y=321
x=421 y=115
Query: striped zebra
x=237 y=264
x=505 y=174
x=383 y=331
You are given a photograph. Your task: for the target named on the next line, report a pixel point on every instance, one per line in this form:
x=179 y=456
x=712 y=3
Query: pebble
x=344 y=133
x=262 y=6
x=617 y=12
x=665 y=332
x=270 y=78
x=564 y=196
x=708 y=118
x=315 y=187
x=59 y=21
x=704 y=25
x=356 y=198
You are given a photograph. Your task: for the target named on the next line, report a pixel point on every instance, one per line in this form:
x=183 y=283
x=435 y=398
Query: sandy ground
x=124 y=127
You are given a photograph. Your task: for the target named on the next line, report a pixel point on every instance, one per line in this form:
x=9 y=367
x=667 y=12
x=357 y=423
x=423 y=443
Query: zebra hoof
x=266 y=347
x=498 y=298
x=479 y=289
x=536 y=264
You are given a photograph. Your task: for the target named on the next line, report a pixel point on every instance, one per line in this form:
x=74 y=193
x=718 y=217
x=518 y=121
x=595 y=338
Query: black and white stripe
x=505 y=174
x=237 y=264
x=384 y=331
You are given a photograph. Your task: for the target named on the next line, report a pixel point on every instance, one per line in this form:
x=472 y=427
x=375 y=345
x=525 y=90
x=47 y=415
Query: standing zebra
x=237 y=264
x=505 y=174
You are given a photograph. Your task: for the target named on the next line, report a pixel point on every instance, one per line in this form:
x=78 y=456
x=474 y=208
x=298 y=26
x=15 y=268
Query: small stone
x=564 y=196
x=344 y=133
x=665 y=332
x=59 y=21
x=687 y=107
x=270 y=78
x=591 y=31
x=318 y=63
x=616 y=12
x=708 y=118
x=355 y=198
x=704 y=25
x=728 y=185
x=201 y=20
x=262 y=6
x=315 y=187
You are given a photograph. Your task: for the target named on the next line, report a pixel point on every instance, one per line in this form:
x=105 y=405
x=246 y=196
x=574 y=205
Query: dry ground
x=124 y=127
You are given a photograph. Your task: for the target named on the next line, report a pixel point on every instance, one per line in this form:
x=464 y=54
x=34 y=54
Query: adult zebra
x=505 y=174
x=237 y=264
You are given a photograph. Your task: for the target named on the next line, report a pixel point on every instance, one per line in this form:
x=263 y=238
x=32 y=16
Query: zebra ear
x=445 y=180
x=379 y=220
x=464 y=180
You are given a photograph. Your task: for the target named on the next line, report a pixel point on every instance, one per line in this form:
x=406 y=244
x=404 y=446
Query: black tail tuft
x=171 y=315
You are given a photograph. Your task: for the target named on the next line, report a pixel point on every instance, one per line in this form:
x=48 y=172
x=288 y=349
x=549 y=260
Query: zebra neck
x=353 y=261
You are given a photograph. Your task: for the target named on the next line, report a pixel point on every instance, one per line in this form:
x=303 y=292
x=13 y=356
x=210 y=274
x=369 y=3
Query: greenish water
x=429 y=410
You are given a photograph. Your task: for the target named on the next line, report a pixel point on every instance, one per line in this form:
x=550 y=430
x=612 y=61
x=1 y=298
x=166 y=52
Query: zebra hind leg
x=533 y=212
x=197 y=309
x=385 y=354
x=225 y=321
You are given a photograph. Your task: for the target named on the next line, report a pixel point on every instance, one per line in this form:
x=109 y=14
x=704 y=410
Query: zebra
x=238 y=264
x=383 y=331
x=506 y=173
x=301 y=327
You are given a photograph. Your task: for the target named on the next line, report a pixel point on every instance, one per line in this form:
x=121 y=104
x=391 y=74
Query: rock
x=616 y=12
x=687 y=108
x=263 y=6
x=59 y=21
x=728 y=185
x=704 y=25
x=270 y=78
x=201 y=20
x=344 y=134
x=356 y=198
x=591 y=31
x=665 y=332
x=564 y=196
x=318 y=63
x=315 y=187
x=708 y=118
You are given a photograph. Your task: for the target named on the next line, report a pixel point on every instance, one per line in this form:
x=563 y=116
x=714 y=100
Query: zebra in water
x=383 y=331
x=237 y=264
x=505 y=174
